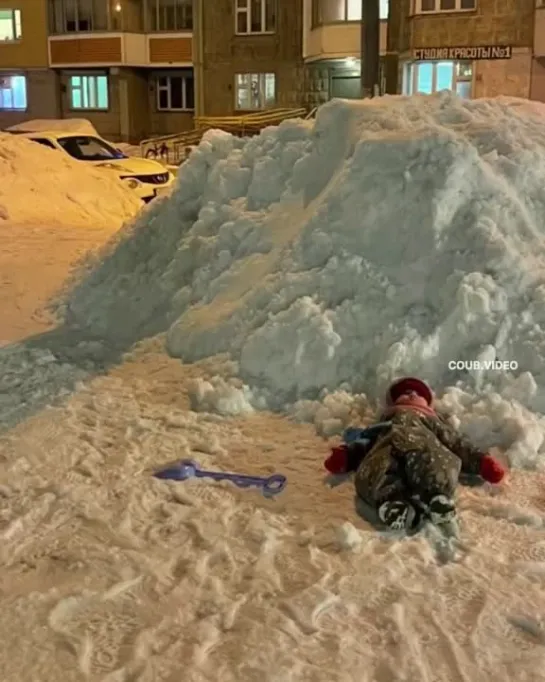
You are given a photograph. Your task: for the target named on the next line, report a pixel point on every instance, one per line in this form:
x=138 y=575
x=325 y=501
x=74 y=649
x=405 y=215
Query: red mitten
x=337 y=462
x=491 y=470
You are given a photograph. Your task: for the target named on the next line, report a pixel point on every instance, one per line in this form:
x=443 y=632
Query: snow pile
x=43 y=186
x=79 y=126
x=390 y=236
x=129 y=149
x=220 y=396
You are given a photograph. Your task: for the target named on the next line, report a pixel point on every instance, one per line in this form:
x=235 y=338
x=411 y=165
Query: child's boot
x=398 y=515
x=442 y=510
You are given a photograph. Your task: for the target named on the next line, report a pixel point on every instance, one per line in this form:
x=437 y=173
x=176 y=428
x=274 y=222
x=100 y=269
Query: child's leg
x=434 y=477
x=380 y=483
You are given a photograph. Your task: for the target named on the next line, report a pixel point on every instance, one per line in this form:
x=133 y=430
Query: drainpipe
x=370 y=48
x=198 y=58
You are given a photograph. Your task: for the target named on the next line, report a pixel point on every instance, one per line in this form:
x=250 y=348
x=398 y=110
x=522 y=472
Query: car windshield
x=88 y=148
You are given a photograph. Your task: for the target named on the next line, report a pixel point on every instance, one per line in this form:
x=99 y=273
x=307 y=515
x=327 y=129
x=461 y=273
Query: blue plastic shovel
x=187 y=468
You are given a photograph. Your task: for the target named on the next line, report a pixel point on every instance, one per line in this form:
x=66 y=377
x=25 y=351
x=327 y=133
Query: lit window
x=175 y=93
x=89 y=92
x=424 y=6
x=13 y=93
x=429 y=77
x=255 y=16
x=444 y=75
x=10 y=25
x=332 y=11
x=254 y=91
x=424 y=78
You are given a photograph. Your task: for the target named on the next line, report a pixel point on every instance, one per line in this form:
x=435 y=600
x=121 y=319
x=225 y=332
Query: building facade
x=477 y=48
x=27 y=85
x=252 y=55
x=332 y=48
x=141 y=68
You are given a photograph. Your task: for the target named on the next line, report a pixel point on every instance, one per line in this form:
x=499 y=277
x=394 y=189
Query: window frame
x=16 y=25
x=417 y=8
x=168 y=89
x=411 y=76
x=95 y=77
x=4 y=75
x=157 y=9
x=248 y=12
x=260 y=74
x=316 y=15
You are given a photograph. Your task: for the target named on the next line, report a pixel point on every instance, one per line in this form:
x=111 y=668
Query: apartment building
x=252 y=55
x=332 y=48
x=139 y=68
x=27 y=86
x=477 y=48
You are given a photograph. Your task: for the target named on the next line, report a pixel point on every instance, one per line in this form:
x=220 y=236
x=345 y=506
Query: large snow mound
x=44 y=186
x=388 y=236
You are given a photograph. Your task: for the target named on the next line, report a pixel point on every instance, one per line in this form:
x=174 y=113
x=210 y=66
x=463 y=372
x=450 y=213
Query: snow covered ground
x=295 y=272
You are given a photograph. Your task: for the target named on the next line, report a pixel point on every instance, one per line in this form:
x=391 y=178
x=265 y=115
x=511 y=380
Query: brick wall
x=226 y=54
x=494 y=22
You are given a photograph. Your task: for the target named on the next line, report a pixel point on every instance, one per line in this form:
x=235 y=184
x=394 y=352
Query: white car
x=147 y=178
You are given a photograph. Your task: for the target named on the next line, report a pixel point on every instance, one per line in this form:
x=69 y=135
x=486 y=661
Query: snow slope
x=43 y=186
x=390 y=236
x=304 y=240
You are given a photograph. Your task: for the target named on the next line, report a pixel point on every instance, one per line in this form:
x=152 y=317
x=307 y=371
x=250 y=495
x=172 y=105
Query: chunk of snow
x=220 y=396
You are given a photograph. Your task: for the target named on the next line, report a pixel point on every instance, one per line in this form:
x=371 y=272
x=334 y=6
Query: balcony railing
x=137 y=16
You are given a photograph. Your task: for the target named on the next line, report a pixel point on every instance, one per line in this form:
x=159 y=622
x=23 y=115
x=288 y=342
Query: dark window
x=171 y=15
x=89 y=148
x=163 y=99
x=176 y=93
x=190 y=93
x=255 y=16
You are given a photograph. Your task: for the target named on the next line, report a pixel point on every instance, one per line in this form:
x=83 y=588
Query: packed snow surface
x=387 y=237
x=301 y=269
x=79 y=126
x=44 y=186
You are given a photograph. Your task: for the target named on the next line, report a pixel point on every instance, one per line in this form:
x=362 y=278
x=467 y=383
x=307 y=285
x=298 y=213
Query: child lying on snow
x=407 y=465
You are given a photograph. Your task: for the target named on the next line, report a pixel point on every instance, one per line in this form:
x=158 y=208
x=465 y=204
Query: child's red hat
x=406 y=385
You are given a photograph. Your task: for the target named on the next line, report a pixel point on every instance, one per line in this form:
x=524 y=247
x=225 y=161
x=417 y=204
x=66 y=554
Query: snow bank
x=387 y=237
x=129 y=149
x=41 y=185
x=67 y=125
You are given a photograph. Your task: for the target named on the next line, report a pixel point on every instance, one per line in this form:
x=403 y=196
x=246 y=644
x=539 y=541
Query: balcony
x=132 y=33
x=539 y=29
x=120 y=49
x=332 y=29
x=338 y=41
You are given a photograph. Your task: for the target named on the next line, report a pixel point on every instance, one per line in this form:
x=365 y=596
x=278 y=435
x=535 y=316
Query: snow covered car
x=147 y=178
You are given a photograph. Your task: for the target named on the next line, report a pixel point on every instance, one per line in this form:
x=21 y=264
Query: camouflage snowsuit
x=416 y=457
